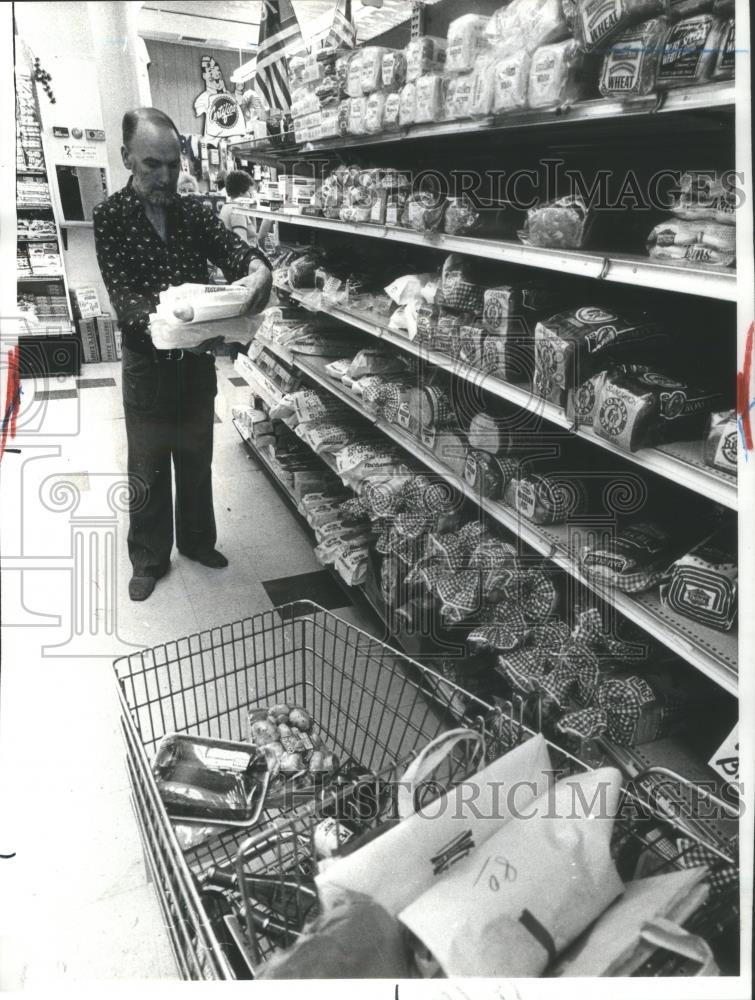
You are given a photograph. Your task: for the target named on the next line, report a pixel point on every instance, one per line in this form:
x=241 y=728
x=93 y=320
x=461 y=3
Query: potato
x=258 y=715
x=278 y=713
x=263 y=732
x=301 y=719
x=284 y=730
x=316 y=762
x=290 y=763
x=330 y=763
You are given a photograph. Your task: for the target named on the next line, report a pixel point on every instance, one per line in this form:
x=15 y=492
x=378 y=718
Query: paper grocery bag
x=614 y=945
x=512 y=905
x=408 y=859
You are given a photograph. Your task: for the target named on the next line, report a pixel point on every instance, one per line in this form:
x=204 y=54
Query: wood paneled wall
x=175 y=78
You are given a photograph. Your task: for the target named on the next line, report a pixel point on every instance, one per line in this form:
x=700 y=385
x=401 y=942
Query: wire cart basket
x=241 y=895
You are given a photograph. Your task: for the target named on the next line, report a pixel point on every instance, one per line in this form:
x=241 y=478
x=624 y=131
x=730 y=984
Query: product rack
x=680 y=462
x=639 y=113
x=629 y=269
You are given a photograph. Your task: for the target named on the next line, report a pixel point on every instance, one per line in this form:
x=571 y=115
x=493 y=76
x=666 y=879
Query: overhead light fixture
x=372 y=3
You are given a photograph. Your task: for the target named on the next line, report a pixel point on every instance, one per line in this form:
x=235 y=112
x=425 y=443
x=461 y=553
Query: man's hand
x=260 y=281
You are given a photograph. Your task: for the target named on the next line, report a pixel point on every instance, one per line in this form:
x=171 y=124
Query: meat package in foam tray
x=189 y=315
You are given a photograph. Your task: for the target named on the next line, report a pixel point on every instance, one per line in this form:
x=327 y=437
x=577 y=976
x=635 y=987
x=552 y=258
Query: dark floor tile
x=319 y=587
x=95 y=383
x=237 y=380
x=55 y=394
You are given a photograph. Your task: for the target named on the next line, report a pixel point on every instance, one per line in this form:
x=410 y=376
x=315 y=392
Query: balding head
x=152 y=116
x=152 y=153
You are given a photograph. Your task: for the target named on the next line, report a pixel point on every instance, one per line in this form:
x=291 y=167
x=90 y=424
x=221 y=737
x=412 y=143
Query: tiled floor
x=76 y=900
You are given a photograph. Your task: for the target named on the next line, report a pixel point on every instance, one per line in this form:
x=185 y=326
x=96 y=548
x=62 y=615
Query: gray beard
x=159 y=199
x=155 y=199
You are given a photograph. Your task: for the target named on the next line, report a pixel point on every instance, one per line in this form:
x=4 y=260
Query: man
x=148 y=238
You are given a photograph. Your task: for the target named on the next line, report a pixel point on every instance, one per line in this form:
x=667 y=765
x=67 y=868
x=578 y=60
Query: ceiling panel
x=237 y=21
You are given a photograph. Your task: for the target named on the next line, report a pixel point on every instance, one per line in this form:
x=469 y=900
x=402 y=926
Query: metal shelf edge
x=718 y=284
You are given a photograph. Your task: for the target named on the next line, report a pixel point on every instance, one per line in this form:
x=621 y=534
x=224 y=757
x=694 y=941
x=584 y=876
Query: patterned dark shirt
x=136 y=265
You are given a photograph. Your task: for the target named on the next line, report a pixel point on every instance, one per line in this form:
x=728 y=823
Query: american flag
x=343 y=32
x=280 y=37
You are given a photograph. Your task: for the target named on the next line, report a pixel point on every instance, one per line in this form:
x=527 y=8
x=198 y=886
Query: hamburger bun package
x=695 y=243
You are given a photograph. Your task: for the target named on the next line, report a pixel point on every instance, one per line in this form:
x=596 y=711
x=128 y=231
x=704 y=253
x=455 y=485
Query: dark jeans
x=170 y=412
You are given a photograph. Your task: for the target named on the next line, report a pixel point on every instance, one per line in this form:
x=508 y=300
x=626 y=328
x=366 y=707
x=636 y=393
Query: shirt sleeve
x=131 y=305
x=201 y=104
x=224 y=248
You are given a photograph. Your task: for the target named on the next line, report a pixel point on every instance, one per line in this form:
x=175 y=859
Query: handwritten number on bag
x=505 y=872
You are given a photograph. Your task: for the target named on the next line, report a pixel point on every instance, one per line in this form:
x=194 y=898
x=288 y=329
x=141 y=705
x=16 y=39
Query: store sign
x=222 y=112
x=725 y=761
x=95 y=134
x=60 y=132
x=80 y=154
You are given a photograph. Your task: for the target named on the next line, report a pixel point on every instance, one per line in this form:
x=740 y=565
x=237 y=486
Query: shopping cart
x=374 y=706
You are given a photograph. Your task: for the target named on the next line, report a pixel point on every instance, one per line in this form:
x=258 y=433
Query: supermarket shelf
x=77 y=224
x=716 y=97
x=262 y=385
x=37 y=239
x=682 y=462
x=260 y=456
x=31 y=171
x=712 y=653
x=716 y=283
x=40 y=277
x=34 y=208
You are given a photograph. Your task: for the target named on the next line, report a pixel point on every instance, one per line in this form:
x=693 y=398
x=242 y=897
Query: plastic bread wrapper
x=722 y=441
x=511 y=74
x=429 y=97
x=634 y=561
x=483 y=85
x=598 y=22
x=631 y=64
x=563 y=224
x=527 y=24
x=191 y=336
x=690 y=51
x=513 y=904
x=560 y=74
x=693 y=242
x=466 y=39
x=426 y=54
x=703 y=584
x=726 y=57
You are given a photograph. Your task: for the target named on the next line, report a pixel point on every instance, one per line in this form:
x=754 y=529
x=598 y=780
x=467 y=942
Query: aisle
x=78 y=882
